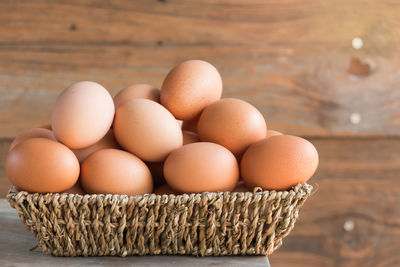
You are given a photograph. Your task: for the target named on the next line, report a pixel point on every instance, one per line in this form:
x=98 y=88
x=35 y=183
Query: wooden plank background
x=290 y=58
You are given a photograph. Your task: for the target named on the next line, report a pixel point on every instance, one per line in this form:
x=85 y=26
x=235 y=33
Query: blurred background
x=325 y=70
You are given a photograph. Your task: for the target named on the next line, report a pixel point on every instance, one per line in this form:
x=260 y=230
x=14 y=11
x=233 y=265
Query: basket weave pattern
x=206 y=224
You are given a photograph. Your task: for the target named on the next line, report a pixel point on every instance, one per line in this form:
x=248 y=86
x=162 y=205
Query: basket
x=206 y=224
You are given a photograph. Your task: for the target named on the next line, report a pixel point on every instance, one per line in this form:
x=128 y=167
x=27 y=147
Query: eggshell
x=156 y=170
x=232 y=123
x=279 y=162
x=42 y=165
x=190 y=87
x=82 y=115
x=273 y=133
x=113 y=171
x=201 y=167
x=136 y=91
x=146 y=129
x=108 y=141
x=189 y=137
x=190 y=125
x=165 y=190
x=32 y=133
x=75 y=189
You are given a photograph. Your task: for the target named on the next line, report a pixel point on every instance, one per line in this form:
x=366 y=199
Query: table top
x=16 y=243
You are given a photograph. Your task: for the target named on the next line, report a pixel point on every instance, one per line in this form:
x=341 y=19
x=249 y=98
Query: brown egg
x=75 y=189
x=189 y=137
x=190 y=125
x=201 y=167
x=108 y=141
x=136 y=91
x=165 y=190
x=42 y=165
x=32 y=133
x=82 y=115
x=113 y=171
x=189 y=88
x=273 y=133
x=156 y=169
x=241 y=187
x=232 y=123
x=147 y=129
x=279 y=162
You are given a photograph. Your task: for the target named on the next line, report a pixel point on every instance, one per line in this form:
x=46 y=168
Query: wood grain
x=358 y=180
x=289 y=58
x=5 y=184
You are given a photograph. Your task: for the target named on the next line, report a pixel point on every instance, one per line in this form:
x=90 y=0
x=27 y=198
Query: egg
x=136 y=91
x=75 y=189
x=147 y=129
x=279 y=162
x=113 y=171
x=200 y=167
x=32 y=133
x=108 y=141
x=190 y=125
x=189 y=87
x=232 y=123
x=273 y=133
x=189 y=137
x=42 y=165
x=165 y=190
x=82 y=115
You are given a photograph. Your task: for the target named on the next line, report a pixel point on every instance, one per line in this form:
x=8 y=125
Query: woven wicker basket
x=207 y=224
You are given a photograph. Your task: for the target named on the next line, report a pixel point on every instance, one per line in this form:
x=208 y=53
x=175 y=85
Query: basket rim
x=298 y=190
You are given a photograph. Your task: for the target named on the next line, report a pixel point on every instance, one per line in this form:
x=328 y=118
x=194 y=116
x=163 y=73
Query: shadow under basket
x=206 y=224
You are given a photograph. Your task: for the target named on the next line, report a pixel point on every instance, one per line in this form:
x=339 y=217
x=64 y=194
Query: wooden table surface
x=16 y=242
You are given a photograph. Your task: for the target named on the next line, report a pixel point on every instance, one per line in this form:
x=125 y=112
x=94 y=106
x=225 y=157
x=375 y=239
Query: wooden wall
x=293 y=59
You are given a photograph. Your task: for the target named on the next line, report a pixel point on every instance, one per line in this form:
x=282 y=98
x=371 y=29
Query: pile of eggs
x=181 y=139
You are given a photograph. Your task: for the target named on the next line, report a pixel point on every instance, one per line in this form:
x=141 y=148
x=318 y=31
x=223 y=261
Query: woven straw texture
x=207 y=224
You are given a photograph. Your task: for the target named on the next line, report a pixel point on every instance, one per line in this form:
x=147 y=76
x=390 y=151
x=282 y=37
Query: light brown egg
x=190 y=87
x=190 y=125
x=273 y=133
x=165 y=190
x=232 y=123
x=241 y=187
x=32 y=133
x=42 y=165
x=136 y=91
x=82 y=115
x=108 y=141
x=189 y=137
x=75 y=189
x=201 y=167
x=147 y=129
x=113 y=171
x=279 y=162
x=156 y=169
